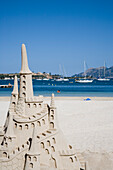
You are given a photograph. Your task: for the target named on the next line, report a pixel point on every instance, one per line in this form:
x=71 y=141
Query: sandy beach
x=87 y=126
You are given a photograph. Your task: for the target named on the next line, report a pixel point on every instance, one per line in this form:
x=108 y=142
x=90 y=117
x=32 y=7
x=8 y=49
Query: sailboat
x=64 y=73
x=85 y=80
x=62 y=77
x=103 y=79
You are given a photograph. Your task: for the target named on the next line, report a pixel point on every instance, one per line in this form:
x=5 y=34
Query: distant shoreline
x=7 y=98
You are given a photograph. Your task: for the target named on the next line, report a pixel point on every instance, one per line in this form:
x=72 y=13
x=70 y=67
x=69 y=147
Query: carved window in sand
x=52 y=117
x=26 y=126
x=28 y=105
x=35 y=158
x=51 y=125
x=47 y=151
x=15 y=125
x=54 y=141
x=38 y=137
x=20 y=127
x=24 y=83
x=48 y=143
x=4 y=154
x=42 y=145
x=52 y=148
x=71 y=159
x=14 y=96
x=32 y=125
x=40 y=105
x=24 y=77
x=29 y=158
x=52 y=111
x=18 y=149
x=75 y=158
x=10 y=139
x=24 y=88
x=43 y=134
x=6 y=144
x=24 y=95
x=13 y=104
x=43 y=121
x=70 y=146
x=31 y=165
x=34 y=105
x=27 y=142
x=38 y=123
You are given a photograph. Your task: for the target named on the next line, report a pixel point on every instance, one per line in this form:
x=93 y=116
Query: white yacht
x=45 y=79
x=84 y=80
x=62 y=79
x=103 y=79
x=7 y=78
x=62 y=72
x=38 y=79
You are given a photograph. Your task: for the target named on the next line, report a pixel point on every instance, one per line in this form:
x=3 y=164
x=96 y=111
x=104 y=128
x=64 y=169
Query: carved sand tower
x=30 y=137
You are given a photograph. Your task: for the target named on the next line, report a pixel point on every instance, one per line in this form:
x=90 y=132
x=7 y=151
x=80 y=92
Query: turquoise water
x=70 y=88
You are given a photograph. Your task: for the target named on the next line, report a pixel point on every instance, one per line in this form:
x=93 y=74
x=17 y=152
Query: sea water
x=65 y=88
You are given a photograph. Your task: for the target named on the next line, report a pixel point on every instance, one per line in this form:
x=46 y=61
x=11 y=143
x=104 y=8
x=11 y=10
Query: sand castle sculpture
x=31 y=138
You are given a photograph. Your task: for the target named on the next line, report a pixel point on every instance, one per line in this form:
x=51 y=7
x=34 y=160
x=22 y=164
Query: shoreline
x=7 y=98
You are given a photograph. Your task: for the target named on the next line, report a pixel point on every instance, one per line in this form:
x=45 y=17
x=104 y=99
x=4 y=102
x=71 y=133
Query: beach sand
x=87 y=126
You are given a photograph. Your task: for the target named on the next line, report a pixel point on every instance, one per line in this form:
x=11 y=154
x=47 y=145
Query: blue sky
x=65 y=32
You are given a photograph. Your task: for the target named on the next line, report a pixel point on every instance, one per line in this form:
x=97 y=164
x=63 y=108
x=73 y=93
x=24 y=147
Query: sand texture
x=87 y=125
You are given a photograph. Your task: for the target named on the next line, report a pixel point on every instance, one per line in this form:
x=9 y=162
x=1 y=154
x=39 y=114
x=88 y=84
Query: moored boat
x=85 y=81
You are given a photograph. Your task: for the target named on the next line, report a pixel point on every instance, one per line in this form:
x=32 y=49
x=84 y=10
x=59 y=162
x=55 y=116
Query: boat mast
x=84 y=69
x=64 y=72
x=104 y=68
x=99 y=73
x=60 y=71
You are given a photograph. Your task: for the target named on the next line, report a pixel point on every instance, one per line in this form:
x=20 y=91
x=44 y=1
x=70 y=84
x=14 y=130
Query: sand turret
x=26 y=89
x=52 y=104
x=24 y=62
x=52 y=116
x=14 y=96
x=15 y=89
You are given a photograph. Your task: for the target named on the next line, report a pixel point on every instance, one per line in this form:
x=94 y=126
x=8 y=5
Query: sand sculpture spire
x=53 y=115
x=52 y=101
x=15 y=89
x=26 y=89
x=24 y=62
x=14 y=96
